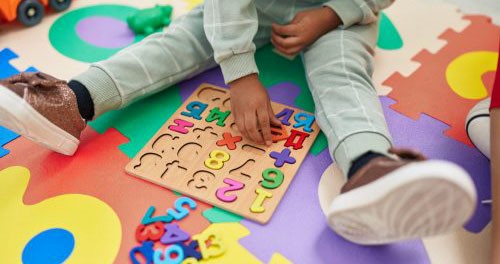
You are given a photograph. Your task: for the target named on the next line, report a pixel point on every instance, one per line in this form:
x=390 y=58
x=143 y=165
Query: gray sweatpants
x=338 y=67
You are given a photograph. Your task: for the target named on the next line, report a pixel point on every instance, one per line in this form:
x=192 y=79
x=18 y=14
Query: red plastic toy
x=29 y=12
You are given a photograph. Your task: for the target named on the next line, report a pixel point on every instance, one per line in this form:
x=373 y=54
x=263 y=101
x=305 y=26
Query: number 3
x=151 y=232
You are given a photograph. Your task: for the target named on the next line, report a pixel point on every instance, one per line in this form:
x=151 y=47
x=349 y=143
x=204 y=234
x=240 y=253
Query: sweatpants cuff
x=358 y=144
x=102 y=89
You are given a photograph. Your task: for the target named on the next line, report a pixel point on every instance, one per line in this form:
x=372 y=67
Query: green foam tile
x=217 y=215
x=141 y=120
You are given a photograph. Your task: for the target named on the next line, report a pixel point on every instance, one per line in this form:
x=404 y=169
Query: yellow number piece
x=217 y=159
x=217 y=246
x=258 y=204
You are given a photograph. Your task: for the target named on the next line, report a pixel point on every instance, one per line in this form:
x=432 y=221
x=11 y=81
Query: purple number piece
x=285 y=116
x=282 y=157
x=173 y=234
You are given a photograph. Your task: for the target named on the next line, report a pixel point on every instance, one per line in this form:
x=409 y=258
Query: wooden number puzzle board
x=199 y=152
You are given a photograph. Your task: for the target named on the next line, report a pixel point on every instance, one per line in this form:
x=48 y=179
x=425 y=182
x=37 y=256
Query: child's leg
x=50 y=111
x=155 y=63
x=339 y=68
x=385 y=199
x=151 y=65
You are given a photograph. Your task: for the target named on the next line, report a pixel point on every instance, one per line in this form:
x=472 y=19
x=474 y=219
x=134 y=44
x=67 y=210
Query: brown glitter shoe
x=390 y=200
x=43 y=109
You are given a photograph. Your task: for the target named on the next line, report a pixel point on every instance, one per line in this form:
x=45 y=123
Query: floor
x=432 y=58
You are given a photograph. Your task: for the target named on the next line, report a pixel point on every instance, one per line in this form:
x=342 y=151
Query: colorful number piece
x=217 y=159
x=151 y=232
x=180 y=126
x=296 y=144
x=190 y=250
x=216 y=114
x=282 y=157
x=285 y=115
x=148 y=219
x=304 y=120
x=258 y=204
x=233 y=185
x=229 y=141
x=190 y=261
x=146 y=250
x=195 y=109
x=279 y=134
x=210 y=243
x=166 y=257
x=174 y=234
x=271 y=182
x=180 y=211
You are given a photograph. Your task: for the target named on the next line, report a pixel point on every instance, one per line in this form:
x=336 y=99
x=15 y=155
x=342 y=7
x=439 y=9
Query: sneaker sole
x=418 y=200
x=18 y=116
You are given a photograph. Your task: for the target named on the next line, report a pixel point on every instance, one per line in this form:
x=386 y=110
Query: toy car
x=29 y=12
x=147 y=21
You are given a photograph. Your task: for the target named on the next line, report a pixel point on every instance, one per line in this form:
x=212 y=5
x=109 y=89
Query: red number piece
x=229 y=141
x=151 y=232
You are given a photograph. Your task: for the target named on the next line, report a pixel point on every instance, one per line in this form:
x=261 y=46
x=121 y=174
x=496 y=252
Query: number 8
x=217 y=159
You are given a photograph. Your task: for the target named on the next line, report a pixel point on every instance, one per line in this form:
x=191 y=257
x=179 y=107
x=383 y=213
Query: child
x=392 y=194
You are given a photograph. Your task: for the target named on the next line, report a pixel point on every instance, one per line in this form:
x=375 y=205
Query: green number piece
x=216 y=114
x=272 y=182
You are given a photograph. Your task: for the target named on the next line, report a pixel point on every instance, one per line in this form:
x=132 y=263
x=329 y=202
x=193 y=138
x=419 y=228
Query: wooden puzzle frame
x=200 y=153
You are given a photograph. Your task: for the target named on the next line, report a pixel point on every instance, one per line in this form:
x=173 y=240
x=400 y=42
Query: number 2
x=233 y=186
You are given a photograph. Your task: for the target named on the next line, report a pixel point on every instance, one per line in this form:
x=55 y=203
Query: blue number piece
x=149 y=219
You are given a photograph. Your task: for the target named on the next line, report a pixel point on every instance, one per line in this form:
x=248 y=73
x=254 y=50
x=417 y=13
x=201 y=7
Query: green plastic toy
x=147 y=21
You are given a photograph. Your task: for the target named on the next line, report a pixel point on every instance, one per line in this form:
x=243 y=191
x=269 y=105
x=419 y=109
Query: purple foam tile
x=299 y=231
x=105 y=32
x=426 y=135
x=283 y=93
x=212 y=76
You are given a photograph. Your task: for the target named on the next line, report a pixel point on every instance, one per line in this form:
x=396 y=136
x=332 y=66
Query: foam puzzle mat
x=87 y=208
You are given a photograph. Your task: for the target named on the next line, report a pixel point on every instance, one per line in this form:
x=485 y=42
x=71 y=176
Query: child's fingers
x=287 y=42
x=251 y=127
x=281 y=49
x=265 y=125
x=285 y=30
x=274 y=120
x=239 y=120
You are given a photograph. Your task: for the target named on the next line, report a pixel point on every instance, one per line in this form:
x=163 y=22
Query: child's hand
x=305 y=28
x=251 y=107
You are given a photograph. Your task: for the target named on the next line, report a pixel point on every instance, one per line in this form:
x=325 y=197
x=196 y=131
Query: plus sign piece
x=200 y=152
